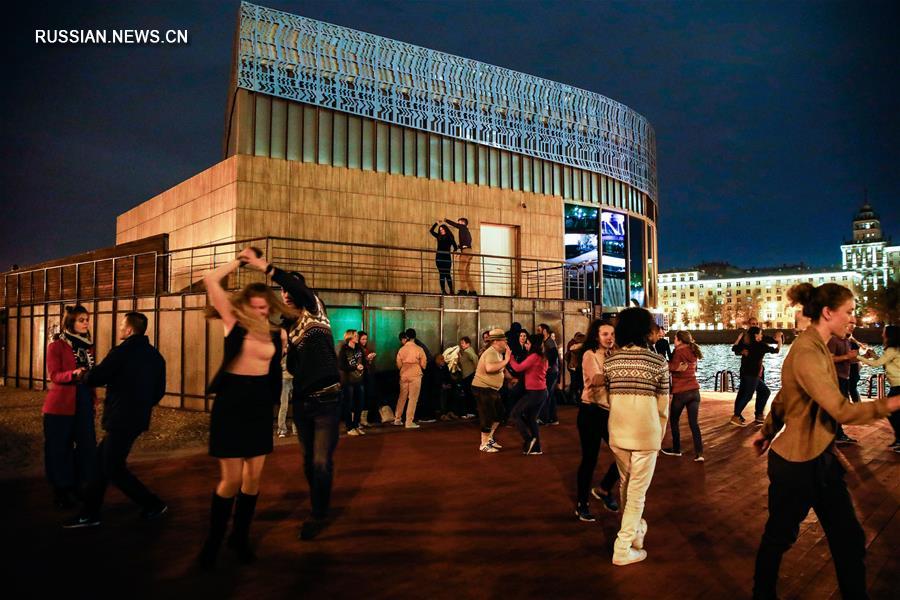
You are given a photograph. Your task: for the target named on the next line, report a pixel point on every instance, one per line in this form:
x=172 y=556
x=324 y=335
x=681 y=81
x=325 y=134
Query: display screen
x=612 y=238
x=581 y=233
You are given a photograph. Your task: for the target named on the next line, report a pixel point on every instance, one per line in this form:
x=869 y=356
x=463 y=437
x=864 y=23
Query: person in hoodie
x=134 y=374
x=685 y=393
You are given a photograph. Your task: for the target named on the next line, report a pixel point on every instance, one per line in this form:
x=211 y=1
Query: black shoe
x=219 y=513
x=152 y=514
x=64 y=499
x=81 y=521
x=609 y=502
x=311 y=528
x=462 y=293
x=671 y=452
x=584 y=514
x=473 y=293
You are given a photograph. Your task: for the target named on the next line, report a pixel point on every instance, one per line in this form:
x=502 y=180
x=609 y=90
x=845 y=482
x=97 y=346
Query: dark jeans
x=548 y=410
x=794 y=488
x=445 y=268
x=354 y=397
x=854 y=383
x=690 y=401
x=112 y=454
x=749 y=385
x=577 y=386
x=593 y=429
x=317 y=427
x=524 y=415
x=70 y=445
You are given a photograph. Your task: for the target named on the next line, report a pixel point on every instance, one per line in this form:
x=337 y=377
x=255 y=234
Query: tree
x=710 y=310
x=885 y=303
x=747 y=308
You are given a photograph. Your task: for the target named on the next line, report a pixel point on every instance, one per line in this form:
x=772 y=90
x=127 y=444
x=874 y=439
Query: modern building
x=727 y=298
x=343 y=136
x=340 y=150
x=870 y=253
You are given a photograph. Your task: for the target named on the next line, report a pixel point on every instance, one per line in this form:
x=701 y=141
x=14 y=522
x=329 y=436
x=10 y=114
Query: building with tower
x=870 y=253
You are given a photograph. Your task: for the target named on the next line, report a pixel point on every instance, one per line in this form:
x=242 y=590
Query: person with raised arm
x=804 y=472
x=246 y=386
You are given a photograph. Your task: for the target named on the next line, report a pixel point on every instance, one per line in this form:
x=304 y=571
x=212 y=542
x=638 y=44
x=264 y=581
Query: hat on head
x=496 y=334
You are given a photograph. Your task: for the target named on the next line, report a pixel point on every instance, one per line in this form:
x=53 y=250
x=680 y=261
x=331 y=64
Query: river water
x=718 y=357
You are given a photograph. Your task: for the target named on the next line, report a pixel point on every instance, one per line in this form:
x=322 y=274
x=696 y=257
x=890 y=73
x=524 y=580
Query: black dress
x=240 y=425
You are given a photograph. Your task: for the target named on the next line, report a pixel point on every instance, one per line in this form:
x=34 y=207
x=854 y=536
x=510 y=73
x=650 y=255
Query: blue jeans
x=749 y=385
x=70 y=444
x=317 y=427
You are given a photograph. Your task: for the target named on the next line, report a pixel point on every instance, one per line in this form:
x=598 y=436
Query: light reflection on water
x=717 y=357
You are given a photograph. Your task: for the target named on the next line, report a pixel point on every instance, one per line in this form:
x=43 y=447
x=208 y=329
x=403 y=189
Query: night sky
x=771 y=118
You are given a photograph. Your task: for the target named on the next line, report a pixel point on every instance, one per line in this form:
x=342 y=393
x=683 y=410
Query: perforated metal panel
x=293 y=57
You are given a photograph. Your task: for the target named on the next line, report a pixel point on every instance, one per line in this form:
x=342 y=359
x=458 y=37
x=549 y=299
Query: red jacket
x=683 y=381
x=60 y=398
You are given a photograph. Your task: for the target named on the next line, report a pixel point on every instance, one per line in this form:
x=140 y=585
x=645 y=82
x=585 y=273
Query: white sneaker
x=638 y=541
x=628 y=557
x=412 y=425
x=494 y=443
x=361 y=431
x=398 y=422
x=354 y=432
x=488 y=448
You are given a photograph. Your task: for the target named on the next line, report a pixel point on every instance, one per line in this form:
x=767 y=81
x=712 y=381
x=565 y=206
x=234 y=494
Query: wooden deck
x=423 y=514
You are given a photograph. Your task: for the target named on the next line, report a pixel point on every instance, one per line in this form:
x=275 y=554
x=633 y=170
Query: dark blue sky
x=771 y=117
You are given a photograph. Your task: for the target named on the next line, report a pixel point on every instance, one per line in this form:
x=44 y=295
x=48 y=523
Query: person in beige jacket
x=411 y=361
x=799 y=433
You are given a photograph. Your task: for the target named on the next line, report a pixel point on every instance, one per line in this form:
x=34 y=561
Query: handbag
x=387 y=414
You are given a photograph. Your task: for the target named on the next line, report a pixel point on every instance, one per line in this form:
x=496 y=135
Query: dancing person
x=593 y=419
x=572 y=359
x=486 y=386
x=70 y=442
x=548 y=412
x=890 y=360
x=752 y=353
x=317 y=390
x=638 y=382
x=685 y=393
x=246 y=387
x=661 y=343
x=411 y=361
x=803 y=470
x=843 y=356
x=443 y=260
x=533 y=370
x=134 y=374
x=352 y=364
x=464 y=262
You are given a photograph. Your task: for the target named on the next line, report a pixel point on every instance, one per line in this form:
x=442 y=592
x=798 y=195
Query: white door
x=498 y=242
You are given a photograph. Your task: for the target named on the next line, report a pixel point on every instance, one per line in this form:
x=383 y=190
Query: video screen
x=581 y=237
x=612 y=240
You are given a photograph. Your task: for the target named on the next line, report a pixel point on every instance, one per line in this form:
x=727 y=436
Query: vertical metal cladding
x=293 y=57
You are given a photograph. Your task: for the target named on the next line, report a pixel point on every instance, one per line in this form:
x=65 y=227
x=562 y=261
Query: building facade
x=870 y=253
x=697 y=300
x=342 y=136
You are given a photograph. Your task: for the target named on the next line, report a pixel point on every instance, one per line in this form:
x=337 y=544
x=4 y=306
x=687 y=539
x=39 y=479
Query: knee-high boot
x=239 y=540
x=219 y=513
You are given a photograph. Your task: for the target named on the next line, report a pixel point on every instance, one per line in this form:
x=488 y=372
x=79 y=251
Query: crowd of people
x=629 y=384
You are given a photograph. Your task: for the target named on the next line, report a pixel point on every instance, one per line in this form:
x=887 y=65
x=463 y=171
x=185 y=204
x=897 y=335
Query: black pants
x=112 y=467
x=750 y=384
x=548 y=410
x=445 y=268
x=469 y=397
x=690 y=401
x=70 y=445
x=524 y=415
x=353 y=403
x=317 y=427
x=593 y=429
x=854 y=383
x=794 y=488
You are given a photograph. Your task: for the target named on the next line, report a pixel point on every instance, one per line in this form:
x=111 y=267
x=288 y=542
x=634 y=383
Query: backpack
x=451 y=356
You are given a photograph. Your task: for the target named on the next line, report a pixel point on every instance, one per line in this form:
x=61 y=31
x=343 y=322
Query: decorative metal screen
x=301 y=59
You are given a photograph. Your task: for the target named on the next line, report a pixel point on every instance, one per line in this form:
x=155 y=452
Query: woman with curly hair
x=246 y=387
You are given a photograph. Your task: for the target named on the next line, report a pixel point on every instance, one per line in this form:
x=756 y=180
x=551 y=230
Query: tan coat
x=810 y=402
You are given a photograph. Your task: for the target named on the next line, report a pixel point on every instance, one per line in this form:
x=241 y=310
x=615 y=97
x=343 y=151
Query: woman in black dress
x=246 y=386
x=442 y=258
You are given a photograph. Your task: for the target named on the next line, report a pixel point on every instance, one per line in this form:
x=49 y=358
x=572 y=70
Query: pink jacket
x=535 y=369
x=60 y=399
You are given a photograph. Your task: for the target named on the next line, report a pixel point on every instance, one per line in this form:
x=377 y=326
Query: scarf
x=82 y=348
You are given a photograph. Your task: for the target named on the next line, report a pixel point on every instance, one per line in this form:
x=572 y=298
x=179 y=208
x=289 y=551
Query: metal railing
x=326 y=265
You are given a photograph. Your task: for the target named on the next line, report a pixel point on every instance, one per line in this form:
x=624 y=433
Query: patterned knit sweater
x=638 y=382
